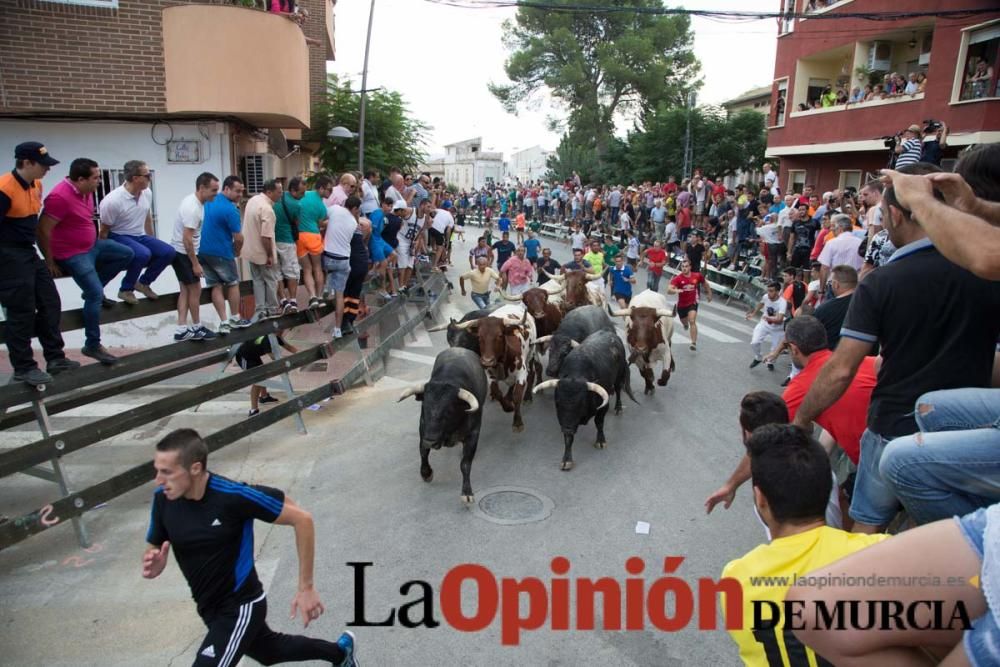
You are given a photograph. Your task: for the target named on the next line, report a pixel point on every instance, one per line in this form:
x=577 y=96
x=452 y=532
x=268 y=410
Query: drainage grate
x=513 y=505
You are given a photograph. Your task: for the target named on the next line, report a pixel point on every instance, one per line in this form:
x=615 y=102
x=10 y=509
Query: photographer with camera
x=910 y=148
x=932 y=147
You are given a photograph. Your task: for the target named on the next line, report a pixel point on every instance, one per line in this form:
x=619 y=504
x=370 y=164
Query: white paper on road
x=642 y=528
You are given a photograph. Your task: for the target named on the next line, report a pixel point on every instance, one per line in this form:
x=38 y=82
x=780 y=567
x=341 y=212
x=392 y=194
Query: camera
x=930 y=125
x=890 y=141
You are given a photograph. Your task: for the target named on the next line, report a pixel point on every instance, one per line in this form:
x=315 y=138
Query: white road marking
x=410 y=356
x=725 y=321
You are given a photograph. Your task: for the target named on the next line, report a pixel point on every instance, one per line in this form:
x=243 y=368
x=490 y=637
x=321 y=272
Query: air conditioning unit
x=256 y=170
x=924 y=59
x=880 y=56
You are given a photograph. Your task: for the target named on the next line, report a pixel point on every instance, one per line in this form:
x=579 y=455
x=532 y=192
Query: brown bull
x=506 y=351
x=575 y=283
x=649 y=329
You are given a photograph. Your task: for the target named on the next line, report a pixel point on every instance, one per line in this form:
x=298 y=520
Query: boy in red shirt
x=687 y=284
x=656 y=258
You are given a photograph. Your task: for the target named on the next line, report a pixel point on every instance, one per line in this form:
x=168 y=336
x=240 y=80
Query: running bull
x=451 y=410
x=576 y=325
x=458 y=337
x=582 y=288
x=649 y=324
x=588 y=376
x=507 y=352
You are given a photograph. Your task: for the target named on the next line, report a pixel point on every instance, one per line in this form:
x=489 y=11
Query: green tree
x=598 y=64
x=393 y=137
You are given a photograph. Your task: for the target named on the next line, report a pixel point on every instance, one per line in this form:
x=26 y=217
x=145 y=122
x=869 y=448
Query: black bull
x=576 y=325
x=590 y=372
x=451 y=410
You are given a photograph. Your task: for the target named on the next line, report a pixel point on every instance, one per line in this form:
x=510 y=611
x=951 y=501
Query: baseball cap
x=399 y=205
x=446 y=205
x=36 y=152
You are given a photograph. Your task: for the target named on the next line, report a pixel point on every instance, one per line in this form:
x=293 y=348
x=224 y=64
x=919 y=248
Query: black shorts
x=184 y=269
x=626 y=297
x=682 y=311
x=437 y=238
x=776 y=251
x=247 y=363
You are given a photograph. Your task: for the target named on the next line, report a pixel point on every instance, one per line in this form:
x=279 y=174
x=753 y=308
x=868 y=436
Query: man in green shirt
x=535 y=225
x=312 y=222
x=286 y=214
x=610 y=250
x=595 y=257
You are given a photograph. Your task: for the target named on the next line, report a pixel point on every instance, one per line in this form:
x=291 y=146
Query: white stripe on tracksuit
x=246 y=613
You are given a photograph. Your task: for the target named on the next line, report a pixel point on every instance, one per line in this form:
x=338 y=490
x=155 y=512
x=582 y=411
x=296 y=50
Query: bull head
x=591 y=386
x=558 y=279
x=412 y=390
x=464 y=395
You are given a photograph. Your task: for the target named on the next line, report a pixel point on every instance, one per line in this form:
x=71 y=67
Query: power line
x=730 y=16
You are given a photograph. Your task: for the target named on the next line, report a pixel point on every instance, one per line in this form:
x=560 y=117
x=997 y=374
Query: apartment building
x=834 y=144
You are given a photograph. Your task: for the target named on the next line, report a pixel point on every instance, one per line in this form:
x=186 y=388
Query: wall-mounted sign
x=184 y=151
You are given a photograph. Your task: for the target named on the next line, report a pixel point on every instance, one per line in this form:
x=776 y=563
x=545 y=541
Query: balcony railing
x=857 y=105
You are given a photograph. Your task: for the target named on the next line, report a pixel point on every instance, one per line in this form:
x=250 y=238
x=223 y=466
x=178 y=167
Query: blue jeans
x=93 y=270
x=874 y=502
x=481 y=300
x=150 y=253
x=952 y=466
x=653 y=280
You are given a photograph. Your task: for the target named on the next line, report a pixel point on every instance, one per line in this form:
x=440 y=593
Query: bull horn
x=574 y=344
x=463 y=326
x=543 y=339
x=508 y=297
x=599 y=390
x=562 y=288
x=558 y=279
x=544 y=385
x=412 y=390
x=663 y=312
x=595 y=277
x=621 y=312
x=466 y=395
x=441 y=327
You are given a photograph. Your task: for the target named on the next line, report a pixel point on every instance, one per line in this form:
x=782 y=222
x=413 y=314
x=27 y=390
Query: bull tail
x=626 y=386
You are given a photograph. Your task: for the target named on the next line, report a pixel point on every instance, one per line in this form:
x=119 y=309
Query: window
x=780 y=103
x=107 y=4
x=111 y=179
x=786 y=24
x=982 y=58
x=796 y=181
x=850 y=178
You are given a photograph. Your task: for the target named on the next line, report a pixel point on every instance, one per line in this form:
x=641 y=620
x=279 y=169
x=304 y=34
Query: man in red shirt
x=656 y=259
x=687 y=285
x=68 y=239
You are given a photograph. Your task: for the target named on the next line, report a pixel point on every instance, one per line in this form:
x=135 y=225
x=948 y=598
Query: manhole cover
x=512 y=505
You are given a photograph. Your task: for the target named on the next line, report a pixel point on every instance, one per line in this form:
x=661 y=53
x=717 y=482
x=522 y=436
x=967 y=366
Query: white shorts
x=404 y=259
x=288 y=261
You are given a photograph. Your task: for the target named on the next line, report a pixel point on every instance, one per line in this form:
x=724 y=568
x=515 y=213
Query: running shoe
x=337 y=333
x=290 y=307
x=224 y=328
x=349 y=645
x=35 y=376
x=755 y=363
x=187 y=334
x=770 y=366
x=267 y=399
x=204 y=333
x=315 y=302
x=694 y=348
x=253 y=413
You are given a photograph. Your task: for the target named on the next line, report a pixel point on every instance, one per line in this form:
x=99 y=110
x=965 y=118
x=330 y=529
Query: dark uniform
x=212 y=539
x=27 y=292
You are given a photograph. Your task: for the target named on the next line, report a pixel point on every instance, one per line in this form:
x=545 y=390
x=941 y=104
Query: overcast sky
x=440 y=59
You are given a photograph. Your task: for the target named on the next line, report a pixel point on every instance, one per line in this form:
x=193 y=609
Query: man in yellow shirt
x=791 y=485
x=480 y=278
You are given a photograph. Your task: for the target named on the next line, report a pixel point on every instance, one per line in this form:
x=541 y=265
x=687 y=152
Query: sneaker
x=239 y=323
x=146 y=291
x=315 y=302
x=694 y=348
x=36 y=376
x=187 y=334
x=100 y=353
x=348 y=644
x=755 y=363
x=785 y=382
x=770 y=366
x=203 y=333
x=337 y=333
x=290 y=307
x=384 y=294
x=347 y=329
x=224 y=328
x=253 y=413
x=61 y=365
x=268 y=399
x=128 y=297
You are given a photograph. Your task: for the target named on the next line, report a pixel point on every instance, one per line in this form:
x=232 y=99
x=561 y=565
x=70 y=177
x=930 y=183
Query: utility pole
x=688 y=152
x=364 y=93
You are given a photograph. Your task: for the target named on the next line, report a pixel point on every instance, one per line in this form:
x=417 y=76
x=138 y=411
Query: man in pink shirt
x=68 y=239
x=347 y=186
x=516 y=273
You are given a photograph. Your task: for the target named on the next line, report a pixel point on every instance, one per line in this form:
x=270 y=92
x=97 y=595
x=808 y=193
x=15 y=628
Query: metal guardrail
x=73 y=505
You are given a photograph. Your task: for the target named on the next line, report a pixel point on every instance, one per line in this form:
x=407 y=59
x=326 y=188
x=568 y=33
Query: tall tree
x=599 y=64
x=393 y=137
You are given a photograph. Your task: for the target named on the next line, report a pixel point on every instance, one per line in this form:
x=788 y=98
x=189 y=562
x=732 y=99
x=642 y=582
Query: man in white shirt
x=771 y=179
x=770 y=235
x=186 y=240
x=771 y=325
x=337 y=253
x=369 y=193
x=841 y=249
x=440 y=231
x=126 y=217
x=578 y=240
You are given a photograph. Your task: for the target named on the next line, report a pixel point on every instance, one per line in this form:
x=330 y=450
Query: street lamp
x=341 y=132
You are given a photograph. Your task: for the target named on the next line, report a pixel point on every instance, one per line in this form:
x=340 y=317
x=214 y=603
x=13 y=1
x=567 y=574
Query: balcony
x=224 y=60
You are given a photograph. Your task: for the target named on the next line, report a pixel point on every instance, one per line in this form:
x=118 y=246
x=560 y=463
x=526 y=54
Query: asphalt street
x=358 y=473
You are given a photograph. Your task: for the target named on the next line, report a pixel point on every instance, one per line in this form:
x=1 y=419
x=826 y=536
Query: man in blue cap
x=27 y=292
